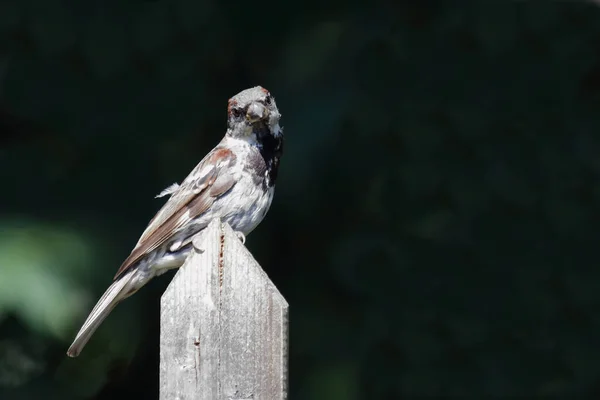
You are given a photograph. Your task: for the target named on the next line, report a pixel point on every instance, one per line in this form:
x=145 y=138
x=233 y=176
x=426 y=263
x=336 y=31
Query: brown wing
x=194 y=196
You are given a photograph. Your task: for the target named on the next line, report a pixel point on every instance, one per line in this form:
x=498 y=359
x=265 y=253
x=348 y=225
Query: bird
x=235 y=182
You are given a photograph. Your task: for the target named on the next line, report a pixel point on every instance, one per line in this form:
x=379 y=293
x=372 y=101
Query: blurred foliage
x=435 y=226
x=44 y=260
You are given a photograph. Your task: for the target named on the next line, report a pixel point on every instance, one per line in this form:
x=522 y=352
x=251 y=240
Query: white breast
x=247 y=205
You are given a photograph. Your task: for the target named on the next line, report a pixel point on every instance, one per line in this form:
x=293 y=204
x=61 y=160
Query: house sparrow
x=234 y=182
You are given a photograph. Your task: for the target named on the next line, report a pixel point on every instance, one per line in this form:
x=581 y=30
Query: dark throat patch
x=271 y=149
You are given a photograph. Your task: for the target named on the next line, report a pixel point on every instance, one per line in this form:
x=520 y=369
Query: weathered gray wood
x=224 y=326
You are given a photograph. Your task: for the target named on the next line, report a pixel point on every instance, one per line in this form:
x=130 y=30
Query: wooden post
x=224 y=325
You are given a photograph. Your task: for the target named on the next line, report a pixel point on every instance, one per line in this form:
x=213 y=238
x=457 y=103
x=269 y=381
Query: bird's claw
x=241 y=236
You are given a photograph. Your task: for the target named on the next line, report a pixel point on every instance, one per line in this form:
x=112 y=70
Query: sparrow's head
x=252 y=115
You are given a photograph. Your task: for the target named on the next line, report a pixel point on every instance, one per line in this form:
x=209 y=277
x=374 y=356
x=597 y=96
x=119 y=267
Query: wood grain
x=224 y=325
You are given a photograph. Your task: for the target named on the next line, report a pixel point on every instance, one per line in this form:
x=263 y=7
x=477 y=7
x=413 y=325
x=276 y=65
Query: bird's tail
x=119 y=290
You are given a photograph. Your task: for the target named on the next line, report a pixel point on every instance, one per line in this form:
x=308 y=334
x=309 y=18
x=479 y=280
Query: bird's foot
x=241 y=236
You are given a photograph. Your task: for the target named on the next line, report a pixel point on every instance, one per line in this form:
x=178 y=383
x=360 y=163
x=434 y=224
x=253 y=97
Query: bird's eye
x=237 y=112
x=268 y=100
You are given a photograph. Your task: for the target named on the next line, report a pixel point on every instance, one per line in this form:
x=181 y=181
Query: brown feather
x=193 y=197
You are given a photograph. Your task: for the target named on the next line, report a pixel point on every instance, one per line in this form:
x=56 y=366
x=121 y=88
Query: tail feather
x=119 y=290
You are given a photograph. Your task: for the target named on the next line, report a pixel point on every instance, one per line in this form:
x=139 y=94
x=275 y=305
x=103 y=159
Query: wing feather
x=193 y=197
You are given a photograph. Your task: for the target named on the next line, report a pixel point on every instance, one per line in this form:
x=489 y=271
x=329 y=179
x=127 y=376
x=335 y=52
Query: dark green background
x=435 y=226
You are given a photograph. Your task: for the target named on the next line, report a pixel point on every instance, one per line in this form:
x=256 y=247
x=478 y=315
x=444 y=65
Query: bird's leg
x=241 y=236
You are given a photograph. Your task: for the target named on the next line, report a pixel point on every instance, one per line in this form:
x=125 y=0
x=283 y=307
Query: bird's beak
x=256 y=112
